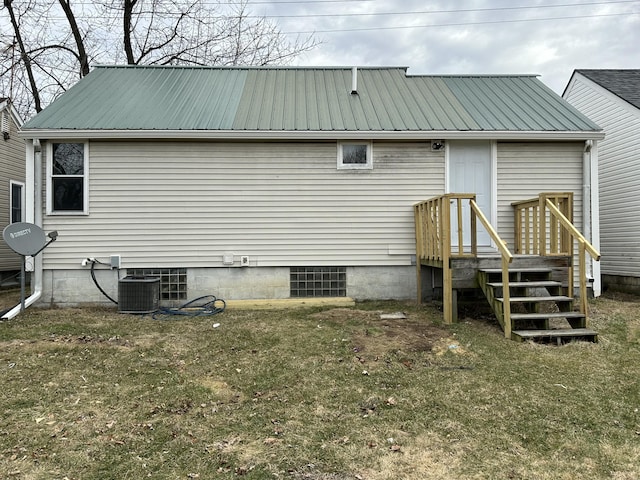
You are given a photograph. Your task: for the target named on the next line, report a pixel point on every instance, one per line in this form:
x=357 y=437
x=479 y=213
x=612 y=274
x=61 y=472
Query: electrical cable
x=93 y=276
x=212 y=306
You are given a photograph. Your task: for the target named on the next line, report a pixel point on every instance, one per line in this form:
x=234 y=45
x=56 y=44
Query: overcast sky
x=550 y=38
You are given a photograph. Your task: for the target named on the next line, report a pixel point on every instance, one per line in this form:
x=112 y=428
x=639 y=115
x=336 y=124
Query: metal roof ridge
x=252 y=67
x=475 y=75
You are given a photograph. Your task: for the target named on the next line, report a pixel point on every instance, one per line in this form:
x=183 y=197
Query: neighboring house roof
x=623 y=83
x=301 y=100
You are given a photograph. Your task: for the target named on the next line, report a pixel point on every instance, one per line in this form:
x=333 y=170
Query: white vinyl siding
x=527 y=169
x=12 y=168
x=168 y=204
x=619 y=172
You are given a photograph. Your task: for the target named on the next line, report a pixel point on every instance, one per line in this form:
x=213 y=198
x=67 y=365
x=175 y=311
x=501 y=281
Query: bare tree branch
x=82 y=54
x=26 y=60
x=56 y=49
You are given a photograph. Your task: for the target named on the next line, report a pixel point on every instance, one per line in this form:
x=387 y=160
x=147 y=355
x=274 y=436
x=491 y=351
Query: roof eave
x=311 y=135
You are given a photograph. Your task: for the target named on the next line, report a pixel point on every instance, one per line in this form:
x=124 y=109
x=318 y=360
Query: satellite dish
x=24 y=238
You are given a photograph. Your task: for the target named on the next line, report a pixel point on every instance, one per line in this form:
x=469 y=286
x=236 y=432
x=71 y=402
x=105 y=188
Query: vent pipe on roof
x=354 y=81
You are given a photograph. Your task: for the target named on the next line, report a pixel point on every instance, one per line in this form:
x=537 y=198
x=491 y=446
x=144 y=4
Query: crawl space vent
x=138 y=294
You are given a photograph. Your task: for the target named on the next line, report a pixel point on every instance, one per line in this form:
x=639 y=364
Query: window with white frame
x=355 y=155
x=67 y=178
x=16 y=202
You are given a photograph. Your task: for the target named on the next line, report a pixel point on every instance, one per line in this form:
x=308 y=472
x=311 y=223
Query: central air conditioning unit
x=138 y=294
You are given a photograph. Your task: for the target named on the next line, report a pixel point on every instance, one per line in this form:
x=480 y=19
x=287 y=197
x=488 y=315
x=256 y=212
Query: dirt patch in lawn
x=379 y=333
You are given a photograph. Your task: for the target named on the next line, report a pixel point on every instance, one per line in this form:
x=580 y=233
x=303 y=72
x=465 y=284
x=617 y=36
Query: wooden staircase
x=540 y=310
x=530 y=290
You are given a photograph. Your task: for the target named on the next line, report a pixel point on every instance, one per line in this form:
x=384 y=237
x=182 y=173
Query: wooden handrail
x=507 y=258
x=433 y=224
x=543 y=226
x=434 y=234
x=583 y=246
x=501 y=244
x=573 y=230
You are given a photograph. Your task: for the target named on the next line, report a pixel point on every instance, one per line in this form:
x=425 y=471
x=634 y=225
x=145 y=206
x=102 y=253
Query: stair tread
x=538 y=283
x=542 y=315
x=560 y=298
x=557 y=332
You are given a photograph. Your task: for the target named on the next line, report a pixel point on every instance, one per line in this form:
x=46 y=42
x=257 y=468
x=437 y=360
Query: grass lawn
x=319 y=394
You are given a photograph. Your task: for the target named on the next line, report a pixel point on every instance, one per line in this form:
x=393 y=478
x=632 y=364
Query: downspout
x=595 y=217
x=586 y=189
x=33 y=203
x=590 y=212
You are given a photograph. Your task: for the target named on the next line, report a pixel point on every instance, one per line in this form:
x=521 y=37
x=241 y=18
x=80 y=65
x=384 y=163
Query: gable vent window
x=173 y=281
x=318 y=282
x=355 y=156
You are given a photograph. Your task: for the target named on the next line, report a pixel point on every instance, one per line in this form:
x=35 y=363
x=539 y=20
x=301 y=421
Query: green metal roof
x=304 y=99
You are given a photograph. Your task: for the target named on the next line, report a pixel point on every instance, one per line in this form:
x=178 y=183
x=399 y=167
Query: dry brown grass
x=317 y=394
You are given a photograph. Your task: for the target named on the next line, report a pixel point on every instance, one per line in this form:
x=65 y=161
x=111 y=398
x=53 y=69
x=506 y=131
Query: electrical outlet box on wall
x=115 y=261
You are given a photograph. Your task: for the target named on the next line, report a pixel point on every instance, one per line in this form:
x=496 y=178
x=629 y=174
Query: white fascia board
x=309 y=135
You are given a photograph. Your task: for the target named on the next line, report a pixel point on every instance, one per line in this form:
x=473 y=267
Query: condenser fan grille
x=138 y=295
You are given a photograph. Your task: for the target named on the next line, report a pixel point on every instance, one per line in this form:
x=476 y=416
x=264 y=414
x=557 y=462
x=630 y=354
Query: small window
x=67 y=169
x=17 y=202
x=355 y=155
x=318 y=282
x=173 y=281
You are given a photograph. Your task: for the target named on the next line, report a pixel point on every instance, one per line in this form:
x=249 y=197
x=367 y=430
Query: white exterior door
x=470 y=171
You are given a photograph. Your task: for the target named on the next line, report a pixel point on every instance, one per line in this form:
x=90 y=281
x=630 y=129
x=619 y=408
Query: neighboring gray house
x=611 y=98
x=12 y=184
x=252 y=183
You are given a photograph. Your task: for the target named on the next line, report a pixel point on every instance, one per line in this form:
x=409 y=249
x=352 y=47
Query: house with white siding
x=12 y=184
x=611 y=98
x=283 y=182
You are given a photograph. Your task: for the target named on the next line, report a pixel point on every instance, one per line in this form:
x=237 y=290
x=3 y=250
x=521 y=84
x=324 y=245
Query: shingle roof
x=301 y=99
x=623 y=83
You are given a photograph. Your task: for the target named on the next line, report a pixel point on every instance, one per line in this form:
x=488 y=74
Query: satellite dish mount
x=27 y=240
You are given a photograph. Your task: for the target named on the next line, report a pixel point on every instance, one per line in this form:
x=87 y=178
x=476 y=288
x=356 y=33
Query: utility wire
x=379 y=14
x=457 y=10
x=460 y=24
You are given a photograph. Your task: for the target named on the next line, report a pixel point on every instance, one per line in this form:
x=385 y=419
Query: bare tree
x=26 y=59
x=75 y=31
x=65 y=39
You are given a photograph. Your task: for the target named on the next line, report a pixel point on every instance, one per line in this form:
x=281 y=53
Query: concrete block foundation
x=76 y=287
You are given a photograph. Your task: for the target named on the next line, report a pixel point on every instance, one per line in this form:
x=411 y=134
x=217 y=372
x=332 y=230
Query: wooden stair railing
x=507 y=258
x=544 y=226
x=433 y=225
x=583 y=247
x=544 y=229
x=433 y=242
